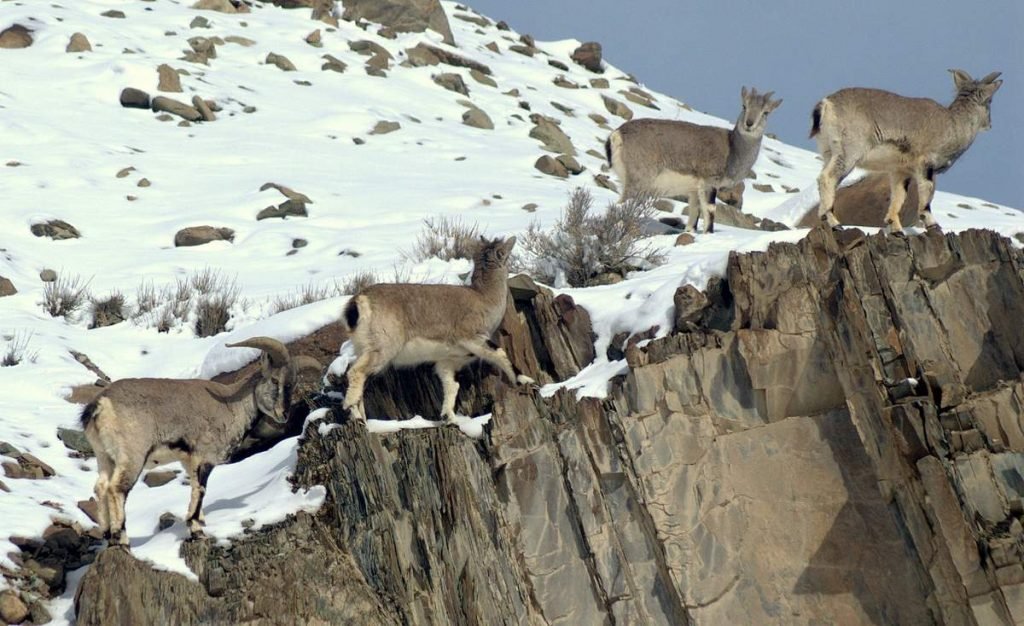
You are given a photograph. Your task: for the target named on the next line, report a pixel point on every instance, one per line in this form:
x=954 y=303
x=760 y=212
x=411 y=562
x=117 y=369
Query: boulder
x=551 y=166
x=617 y=108
x=477 y=118
x=168 y=79
x=403 y=16
x=384 y=127
x=176 y=107
x=6 y=287
x=589 y=56
x=15 y=36
x=451 y=82
x=280 y=61
x=133 y=98
x=549 y=132
x=864 y=203
x=12 y=609
x=78 y=43
x=55 y=229
x=199 y=235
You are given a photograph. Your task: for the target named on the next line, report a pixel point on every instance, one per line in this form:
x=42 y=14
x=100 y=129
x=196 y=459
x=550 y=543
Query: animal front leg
x=925 y=193
x=450 y=388
x=693 y=206
x=199 y=474
x=709 y=226
x=898 y=185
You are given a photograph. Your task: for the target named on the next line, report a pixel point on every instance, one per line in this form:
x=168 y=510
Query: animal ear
x=508 y=244
x=743 y=92
x=961 y=78
x=990 y=89
x=772 y=105
x=990 y=78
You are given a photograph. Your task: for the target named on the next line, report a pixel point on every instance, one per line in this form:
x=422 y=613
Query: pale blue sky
x=703 y=52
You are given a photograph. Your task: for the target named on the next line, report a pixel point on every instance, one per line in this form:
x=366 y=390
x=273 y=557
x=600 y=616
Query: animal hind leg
x=122 y=479
x=105 y=465
x=925 y=193
x=199 y=475
x=367 y=364
x=898 y=185
x=696 y=208
x=835 y=170
x=712 y=202
x=484 y=349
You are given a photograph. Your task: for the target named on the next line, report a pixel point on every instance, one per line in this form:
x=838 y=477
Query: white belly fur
x=886 y=158
x=669 y=183
x=417 y=351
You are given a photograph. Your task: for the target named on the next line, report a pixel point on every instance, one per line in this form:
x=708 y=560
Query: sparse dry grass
x=108 y=311
x=17 y=349
x=65 y=296
x=446 y=238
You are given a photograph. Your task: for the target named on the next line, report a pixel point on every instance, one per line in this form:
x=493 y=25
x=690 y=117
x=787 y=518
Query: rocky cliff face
x=831 y=436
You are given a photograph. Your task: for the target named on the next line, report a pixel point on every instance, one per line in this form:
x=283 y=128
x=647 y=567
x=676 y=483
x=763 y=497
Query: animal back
x=655 y=146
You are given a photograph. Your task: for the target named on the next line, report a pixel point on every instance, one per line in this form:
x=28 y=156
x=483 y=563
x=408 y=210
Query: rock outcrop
x=833 y=435
x=402 y=15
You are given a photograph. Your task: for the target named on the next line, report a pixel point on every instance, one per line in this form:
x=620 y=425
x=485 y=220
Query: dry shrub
x=580 y=248
x=446 y=238
x=17 y=350
x=357 y=282
x=108 y=311
x=64 y=296
x=213 y=307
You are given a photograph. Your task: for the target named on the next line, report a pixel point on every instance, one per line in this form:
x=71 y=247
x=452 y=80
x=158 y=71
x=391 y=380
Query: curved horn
x=991 y=77
x=275 y=349
x=303 y=362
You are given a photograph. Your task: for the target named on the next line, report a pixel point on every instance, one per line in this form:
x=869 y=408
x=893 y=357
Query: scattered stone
x=14 y=164
x=558 y=65
x=479 y=20
x=502 y=25
x=597 y=155
x=288 y=208
x=570 y=163
x=133 y=98
x=12 y=609
x=55 y=229
x=565 y=83
x=690 y=304
x=199 y=235
x=617 y=108
x=599 y=119
x=358 y=141
x=170 y=105
x=564 y=109
x=528 y=40
x=204 y=109
x=15 y=36
x=599 y=83
x=402 y=16
x=48 y=276
x=74 y=439
x=450 y=58
x=159 y=478
x=789 y=189
x=601 y=180
x=387 y=32
x=287 y=192
x=280 y=61
x=333 y=64
x=482 y=78
x=637 y=98
x=589 y=56
x=6 y=287
x=521 y=49
x=245 y=42
x=530 y=207
x=451 y=82
x=166 y=521
x=78 y=43
x=91 y=509
x=314 y=39
x=551 y=166
x=548 y=132
x=203 y=49
x=685 y=239
x=221 y=6
x=114 y=13
x=493 y=47
x=26 y=466
x=299 y=243
x=733 y=196
x=199 y=22
x=384 y=127
x=477 y=118
x=421 y=55
x=662 y=204
x=169 y=80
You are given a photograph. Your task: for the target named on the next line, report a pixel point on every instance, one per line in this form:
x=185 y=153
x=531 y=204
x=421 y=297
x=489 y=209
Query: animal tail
x=88 y=415
x=351 y=313
x=608 y=149
x=816 y=120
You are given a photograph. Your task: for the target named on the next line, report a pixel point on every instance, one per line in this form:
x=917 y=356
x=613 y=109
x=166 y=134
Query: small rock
x=199 y=22
x=48 y=276
x=548 y=132
x=199 y=235
x=690 y=303
x=314 y=39
x=493 y=47
x=281 y=62
x=599 y=83
x=74 y=439
x=169 y=80
x=421 y=55
x=662 y=204
x=617 y=108
x=15 y=36
x=6 y=287
x=601 y=180
x=51 y=573
x=570 y=163
x=333 y=64
x=12 y=609
x=482 y=78
x=565 y=83
x=551 y=167
x=387 y=32
x=166 y=521
x=599 y=119
x=524 y=50
x=384 y=127
x=763 y=187
x=245 y=42
x=299 y=243
x=55 y=229
x=170 y=105
x=685 y=239
x=287 y=192
x=530 y=207
x=222 y=6
x=558 y=65
x=607 y=278
x=203 y=49
x=477 y=118
x=589 y=56
x=528 y=40
x=78 y=43
x=114 y=13
x=288 y=208
x=451 y=82
x=502 y=25
x=204 y=109
x=159 y=478
x=91 y=509
x=133 y=98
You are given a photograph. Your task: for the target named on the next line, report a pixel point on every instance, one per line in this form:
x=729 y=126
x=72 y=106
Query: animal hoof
x=523 y=379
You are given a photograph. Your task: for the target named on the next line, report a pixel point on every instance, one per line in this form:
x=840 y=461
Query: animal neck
x=491 y=283
x=743 y=150
x=966 y=120
x=240 y=396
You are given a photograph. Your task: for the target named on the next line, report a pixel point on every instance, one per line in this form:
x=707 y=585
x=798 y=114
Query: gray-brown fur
x=404 y=325
x=670 y=158
x=139 y=422
x=911 y=139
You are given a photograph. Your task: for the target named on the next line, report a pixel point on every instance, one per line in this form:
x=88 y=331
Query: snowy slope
x=65 y=137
